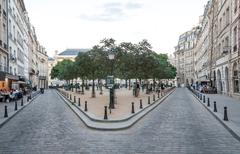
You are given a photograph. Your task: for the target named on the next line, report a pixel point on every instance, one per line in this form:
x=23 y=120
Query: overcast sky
x=62 y=24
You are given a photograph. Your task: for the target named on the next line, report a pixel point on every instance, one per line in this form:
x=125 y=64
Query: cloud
x=131 y=5
x=113 y=11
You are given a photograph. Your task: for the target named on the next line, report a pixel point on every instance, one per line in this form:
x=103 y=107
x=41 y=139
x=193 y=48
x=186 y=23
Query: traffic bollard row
x=6 y=112
x=86 y=108
x=133 y=111
x=79 y=102
x=22 y=102
x=208 y=103
x=16 y=107
x=225 y=118
x=141 y=106
x=215 y=107
x=105 y=113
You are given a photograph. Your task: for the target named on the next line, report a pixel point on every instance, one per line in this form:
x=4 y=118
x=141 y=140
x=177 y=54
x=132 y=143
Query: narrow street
x=178 y=125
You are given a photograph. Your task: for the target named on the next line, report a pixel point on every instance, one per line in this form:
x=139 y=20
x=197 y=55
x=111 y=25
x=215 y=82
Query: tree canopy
x=131 y=61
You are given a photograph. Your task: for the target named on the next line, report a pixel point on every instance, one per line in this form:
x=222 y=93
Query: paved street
x=179 y=125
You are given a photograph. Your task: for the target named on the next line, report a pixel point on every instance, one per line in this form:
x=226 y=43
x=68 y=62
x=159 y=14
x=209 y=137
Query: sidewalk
x=11 y=107
x=233 y=111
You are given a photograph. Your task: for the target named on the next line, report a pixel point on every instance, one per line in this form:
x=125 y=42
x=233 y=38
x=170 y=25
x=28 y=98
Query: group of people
x=8 y=95
x=150 y=88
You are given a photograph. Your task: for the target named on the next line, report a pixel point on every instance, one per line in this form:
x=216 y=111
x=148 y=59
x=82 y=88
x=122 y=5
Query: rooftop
x=72 y=52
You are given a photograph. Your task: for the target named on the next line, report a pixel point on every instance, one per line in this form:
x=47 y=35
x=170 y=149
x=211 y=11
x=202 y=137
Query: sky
x=62 y=24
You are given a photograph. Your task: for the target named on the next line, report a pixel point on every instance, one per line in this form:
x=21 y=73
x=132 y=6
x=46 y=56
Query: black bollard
x=79 y=102
x=6 y=112
x=200 y=96
x=22 y=102
x=225 y=118
x=86 y=109
x=70 y=97
x=153 y=97
x=141 y=106
x=105 y=113
x=149 y=102
x=215 y=107
x=133 y=108
x=208 y=102
x=74 y=99
x=16 y=108
x=204 y=99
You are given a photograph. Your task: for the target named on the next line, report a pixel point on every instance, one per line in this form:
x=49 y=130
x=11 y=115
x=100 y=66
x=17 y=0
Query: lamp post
x=111 y=57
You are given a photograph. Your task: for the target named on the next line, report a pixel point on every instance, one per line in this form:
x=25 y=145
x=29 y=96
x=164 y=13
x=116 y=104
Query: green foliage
x=136 y=61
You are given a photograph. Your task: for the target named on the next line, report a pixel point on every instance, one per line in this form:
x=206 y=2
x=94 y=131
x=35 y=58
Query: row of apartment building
x=22 y=58
x=209 y=54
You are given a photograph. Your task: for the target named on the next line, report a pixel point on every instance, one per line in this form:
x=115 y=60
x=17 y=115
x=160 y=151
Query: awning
x=4 y=75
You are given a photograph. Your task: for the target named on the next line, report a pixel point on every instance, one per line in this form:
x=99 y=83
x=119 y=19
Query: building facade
x=69 y=54
x=184 y=54
x=217 y=50
x=19 y=47
x=4 y=54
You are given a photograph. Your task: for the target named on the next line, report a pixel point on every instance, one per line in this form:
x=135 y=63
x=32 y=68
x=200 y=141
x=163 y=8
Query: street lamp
x=111 y=56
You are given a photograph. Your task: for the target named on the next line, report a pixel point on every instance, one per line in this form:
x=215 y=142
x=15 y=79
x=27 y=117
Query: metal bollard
x=105 y=113
x=141 y=106
x=204 y=99
x=153 y=97
x=149 y=102
x=133 y=108
x=79 y=102
x=200 y=96
x=16 y=108
x=22 y=102
x=86 y=109
x=6 y=112
x=208 y=103
x=225 y=118
x=215 y=107
x=74 y=99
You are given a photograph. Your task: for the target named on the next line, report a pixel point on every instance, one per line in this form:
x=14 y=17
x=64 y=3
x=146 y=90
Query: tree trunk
x=93 y=89
x=126 y=84
x=129 y=84
x=83 y=86
x=72 y=85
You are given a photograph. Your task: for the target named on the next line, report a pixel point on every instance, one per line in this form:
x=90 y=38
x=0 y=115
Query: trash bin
x=42 y=90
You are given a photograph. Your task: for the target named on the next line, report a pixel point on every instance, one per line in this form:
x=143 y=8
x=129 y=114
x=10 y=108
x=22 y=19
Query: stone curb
x=225 y=124
x=121 y=124
x=12 y=114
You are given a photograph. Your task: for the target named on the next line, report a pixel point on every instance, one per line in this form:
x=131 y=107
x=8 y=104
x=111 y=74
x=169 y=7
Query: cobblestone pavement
x=179 y=125
x=232 y=104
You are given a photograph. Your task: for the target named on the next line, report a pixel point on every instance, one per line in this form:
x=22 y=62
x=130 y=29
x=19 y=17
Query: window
x=227 y=16
x=235 y=39
x=220 y=24
x=235 y=6
x=235 y=79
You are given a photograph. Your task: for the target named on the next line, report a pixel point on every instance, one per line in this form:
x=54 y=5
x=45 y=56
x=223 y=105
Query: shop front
x=6 y=80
